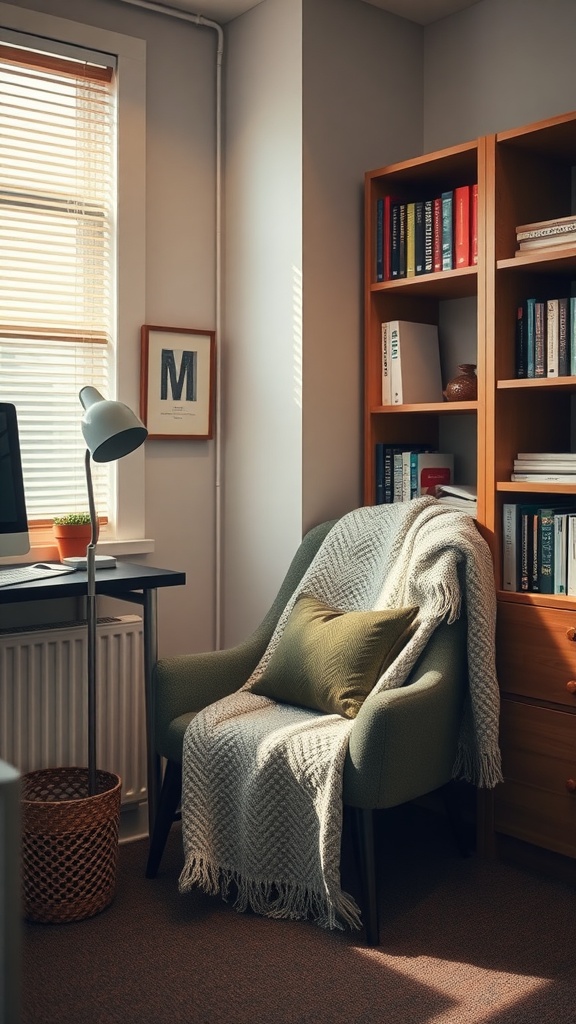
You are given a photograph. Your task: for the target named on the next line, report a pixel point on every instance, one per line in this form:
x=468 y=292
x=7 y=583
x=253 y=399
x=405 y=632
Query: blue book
x=572 y=334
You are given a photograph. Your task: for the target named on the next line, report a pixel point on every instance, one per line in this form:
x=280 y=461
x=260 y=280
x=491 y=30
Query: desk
x=128 y=582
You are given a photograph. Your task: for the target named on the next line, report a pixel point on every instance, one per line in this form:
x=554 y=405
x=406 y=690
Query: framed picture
x=177 y=382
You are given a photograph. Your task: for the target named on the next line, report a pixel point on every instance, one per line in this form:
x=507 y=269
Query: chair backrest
x=310 y=544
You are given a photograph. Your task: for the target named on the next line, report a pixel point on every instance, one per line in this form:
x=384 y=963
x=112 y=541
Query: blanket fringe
x=271 y=899
x=483 y=770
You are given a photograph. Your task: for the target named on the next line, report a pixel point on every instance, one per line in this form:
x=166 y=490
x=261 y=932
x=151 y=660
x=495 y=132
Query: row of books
x=539 y=548
x=427 y=235
x=546 y=337
x=406 y=471
x=546 y=234
x=410 y=363
x=545 y=467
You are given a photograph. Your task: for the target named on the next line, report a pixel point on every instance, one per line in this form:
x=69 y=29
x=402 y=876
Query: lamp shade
x=111 y=430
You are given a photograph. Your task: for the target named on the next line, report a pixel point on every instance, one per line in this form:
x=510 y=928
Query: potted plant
x=72 y=534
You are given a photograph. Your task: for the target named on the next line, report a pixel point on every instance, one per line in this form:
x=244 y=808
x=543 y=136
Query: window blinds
x=57 y=250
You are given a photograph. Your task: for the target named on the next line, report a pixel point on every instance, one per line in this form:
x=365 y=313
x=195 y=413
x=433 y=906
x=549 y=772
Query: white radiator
x=43 y=699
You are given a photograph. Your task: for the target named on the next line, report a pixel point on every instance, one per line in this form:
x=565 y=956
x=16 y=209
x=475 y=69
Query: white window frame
x=126 y=534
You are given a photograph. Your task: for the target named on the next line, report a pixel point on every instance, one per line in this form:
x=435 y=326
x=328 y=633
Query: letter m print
x=173 y=377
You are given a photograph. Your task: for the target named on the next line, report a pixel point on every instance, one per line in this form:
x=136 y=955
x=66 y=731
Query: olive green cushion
x=330 y=660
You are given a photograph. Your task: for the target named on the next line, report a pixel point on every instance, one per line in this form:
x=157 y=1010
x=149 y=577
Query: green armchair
x=402 y=745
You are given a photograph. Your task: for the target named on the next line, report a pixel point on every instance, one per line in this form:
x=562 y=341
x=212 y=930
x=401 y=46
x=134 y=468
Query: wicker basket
x=69 y=843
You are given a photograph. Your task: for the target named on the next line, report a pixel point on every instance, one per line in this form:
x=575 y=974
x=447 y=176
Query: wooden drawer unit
x=536 y=657
x=537 y=801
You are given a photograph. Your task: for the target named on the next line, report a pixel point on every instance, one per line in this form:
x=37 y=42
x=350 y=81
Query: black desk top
x=125 y=577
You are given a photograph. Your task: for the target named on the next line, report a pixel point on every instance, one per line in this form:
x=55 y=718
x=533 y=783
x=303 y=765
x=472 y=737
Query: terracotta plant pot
x=72 y=539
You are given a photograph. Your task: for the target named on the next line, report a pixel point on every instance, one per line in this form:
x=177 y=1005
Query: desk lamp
x=111 y=430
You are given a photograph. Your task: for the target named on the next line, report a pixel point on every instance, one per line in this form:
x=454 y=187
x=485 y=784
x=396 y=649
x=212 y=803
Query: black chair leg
x=166 y=815
x=363 y=832
x=455 y=821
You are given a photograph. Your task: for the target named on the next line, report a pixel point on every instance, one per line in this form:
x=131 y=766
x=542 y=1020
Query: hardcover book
x=414 y=362
x=380 y=240
x=430 y=470
x=437 y=234
x=474 y=224
x=462 y=226
x=552 y=338
x=448 y=230
x=386 y=382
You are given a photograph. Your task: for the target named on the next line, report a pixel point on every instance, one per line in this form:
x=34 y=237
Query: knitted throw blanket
x=262 y=781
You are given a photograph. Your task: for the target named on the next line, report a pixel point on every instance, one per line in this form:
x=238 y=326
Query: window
x=57 y=260
x=72 y=209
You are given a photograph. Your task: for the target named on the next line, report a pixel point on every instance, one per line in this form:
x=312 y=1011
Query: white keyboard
x=29 y=573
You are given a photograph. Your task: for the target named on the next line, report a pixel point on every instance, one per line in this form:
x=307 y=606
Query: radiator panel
x=44 y=700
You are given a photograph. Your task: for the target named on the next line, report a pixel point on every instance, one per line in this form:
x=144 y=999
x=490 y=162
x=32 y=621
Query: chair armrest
x=192 y=681
x=404 y=741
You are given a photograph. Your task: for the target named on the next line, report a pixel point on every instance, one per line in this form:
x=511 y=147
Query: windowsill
x=48 y=552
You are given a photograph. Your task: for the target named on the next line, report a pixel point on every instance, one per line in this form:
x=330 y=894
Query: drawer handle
x=571 y=686
x=571 y=633
x=571 y=785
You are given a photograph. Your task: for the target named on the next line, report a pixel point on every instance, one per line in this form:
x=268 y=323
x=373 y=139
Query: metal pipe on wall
x=202 y=22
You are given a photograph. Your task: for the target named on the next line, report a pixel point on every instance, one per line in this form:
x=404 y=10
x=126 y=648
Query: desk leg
x=150 y=658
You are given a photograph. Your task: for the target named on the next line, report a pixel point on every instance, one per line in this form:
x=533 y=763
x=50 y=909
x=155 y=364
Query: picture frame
x=177 y=379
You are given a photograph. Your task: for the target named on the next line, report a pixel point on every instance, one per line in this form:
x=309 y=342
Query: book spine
x=521 y=367
x=551 y=229
x=398 y=477
x=525 y=554
x=474 y=224
x=395 y=365
x=380 y=240
x=437 y=234
x=535 y=561
x=402 y=242
x=379 y=469
x=552 y=341
x=462 y=226
x=447 y=230
x=406 y=475
x=410 y=239
x=560 y=549
x=419 y=240
x=386 y=384
x=546 y=548
x=540 y=339
x=510 y=547
x=387 y=237
x=571 y=557
x=530 y=337
x=395 y=239
x=428 y=236
x=563 y=346
x=572 y=334
x=544 y=478
x=388 y=475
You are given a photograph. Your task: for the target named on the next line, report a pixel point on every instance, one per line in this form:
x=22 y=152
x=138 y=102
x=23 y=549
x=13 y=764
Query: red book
x=473 y=225
x=437 y=235
x=462 y=225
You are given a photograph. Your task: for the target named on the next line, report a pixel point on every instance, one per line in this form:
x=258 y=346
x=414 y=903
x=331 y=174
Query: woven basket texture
x=69 y=843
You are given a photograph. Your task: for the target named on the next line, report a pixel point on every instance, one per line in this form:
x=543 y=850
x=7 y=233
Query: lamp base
x=100 y=562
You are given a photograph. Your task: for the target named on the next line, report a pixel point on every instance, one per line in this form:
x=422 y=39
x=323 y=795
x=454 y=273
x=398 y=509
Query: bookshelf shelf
x=537 y=384
x=442 y=408
x=450 y=284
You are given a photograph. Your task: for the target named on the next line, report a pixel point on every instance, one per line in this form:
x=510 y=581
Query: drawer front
x=537 y=801
x=535 y=658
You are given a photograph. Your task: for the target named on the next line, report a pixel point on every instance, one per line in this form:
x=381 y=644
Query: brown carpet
x=463 y=941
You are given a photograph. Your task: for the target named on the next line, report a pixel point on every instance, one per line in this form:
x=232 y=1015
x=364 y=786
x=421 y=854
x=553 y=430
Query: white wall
x=498 y=65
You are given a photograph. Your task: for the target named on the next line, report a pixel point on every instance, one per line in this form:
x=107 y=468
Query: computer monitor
x=14 y=537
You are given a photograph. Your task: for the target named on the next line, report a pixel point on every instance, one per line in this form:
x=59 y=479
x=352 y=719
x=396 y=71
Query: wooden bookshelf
x=523 y=176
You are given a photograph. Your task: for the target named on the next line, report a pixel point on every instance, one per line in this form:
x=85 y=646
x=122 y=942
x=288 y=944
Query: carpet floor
x=463 y=941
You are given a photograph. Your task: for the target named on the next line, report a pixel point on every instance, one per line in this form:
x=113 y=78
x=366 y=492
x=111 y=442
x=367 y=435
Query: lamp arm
x=91 y=623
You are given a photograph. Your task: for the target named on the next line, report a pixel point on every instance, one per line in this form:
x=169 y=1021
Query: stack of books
x=427 y=235
x=545 y=467
x=546 y=234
